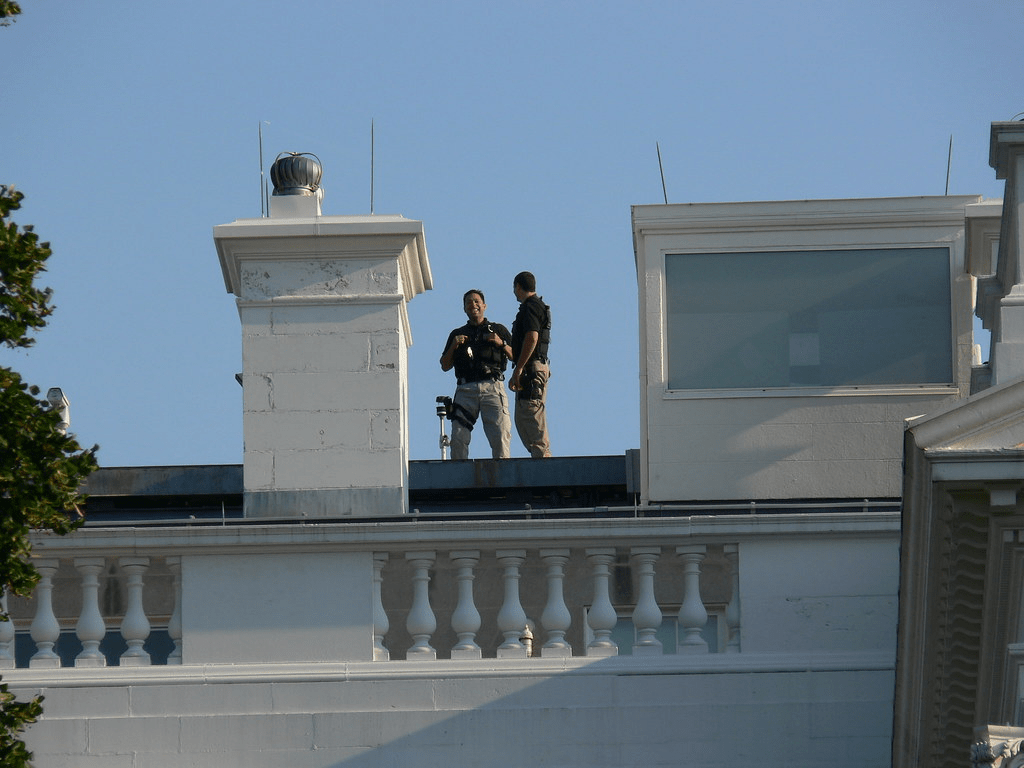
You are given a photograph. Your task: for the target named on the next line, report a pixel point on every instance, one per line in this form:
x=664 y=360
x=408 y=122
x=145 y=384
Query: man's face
x=475 y=308
x=519 y=292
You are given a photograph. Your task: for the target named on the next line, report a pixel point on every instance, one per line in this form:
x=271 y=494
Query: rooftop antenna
x=264 y=202
x=949 y=162
x=662 y=169
x=371 y=166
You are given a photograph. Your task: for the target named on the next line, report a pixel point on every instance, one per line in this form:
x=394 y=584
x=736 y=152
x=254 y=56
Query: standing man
x=479 y=352
x=531 y=333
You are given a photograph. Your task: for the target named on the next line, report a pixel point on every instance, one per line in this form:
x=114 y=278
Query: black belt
x=499 y=377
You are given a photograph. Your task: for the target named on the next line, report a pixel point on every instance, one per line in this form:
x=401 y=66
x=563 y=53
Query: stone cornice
x=326 y=237
x=991 y=419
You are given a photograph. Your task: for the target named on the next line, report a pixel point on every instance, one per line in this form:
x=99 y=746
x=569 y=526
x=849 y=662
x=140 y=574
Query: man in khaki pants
x=531 y=333
x=479 y=352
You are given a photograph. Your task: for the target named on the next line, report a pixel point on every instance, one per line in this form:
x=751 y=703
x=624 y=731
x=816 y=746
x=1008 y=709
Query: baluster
x=466 y=618
x=45 y=630
x=135 y=625
x=90 y=628
x=512 y=617
x=421 y=622
x=732 y=610
x=646 y=613
x=7 y=634
x=556 y=618
x=381 y=625
x=601 y=617
x=174 y=623
x=692 y=615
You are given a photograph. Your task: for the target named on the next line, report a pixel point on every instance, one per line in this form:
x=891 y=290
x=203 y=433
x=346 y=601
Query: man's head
x=473 y=304
x=523 y=285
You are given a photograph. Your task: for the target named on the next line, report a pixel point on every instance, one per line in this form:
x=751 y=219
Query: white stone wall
x=607 y=715
x=785 y=443
x=820 y=594
x=241 y=609
x=280 y=617
x=778 y=447
x=324 y=348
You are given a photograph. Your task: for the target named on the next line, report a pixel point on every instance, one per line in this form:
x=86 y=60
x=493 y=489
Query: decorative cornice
x=990 y=419
x=998 y=746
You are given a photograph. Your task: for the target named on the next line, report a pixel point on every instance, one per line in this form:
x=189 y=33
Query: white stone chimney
x=1002 y=295
x=325 y=334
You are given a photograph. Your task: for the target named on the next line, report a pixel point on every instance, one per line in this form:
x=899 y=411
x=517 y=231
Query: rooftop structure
x=728 y=593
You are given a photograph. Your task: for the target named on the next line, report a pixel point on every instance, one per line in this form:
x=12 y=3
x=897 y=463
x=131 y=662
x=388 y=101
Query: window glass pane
x=808 y=318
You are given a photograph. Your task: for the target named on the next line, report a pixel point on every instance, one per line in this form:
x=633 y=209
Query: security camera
x=59 y=401
x=55 y=395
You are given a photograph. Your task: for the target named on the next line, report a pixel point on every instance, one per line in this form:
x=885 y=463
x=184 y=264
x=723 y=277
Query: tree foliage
x=8 y=10
x=23 y=307
x=14 y=717
x=41 y=467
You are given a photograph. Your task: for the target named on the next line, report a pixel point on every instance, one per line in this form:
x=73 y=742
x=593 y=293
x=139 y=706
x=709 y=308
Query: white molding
x=667 y=664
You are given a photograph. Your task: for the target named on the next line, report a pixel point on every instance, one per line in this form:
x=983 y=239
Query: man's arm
x=530 y=342
x=501 y=338
x=448 y=358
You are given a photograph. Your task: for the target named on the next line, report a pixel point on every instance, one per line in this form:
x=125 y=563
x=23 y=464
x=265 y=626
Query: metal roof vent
x=297 y=190
x=296 y=173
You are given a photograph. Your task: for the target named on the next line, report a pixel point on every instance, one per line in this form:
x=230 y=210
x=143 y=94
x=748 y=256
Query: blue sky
x=519 y=133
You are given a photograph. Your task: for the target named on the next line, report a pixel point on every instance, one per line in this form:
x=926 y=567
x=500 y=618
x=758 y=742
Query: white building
x=961 y=635
x=726 y=595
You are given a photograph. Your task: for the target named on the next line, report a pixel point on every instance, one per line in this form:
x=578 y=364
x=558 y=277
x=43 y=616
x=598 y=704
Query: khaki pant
x=488 y=401
x=531 y=413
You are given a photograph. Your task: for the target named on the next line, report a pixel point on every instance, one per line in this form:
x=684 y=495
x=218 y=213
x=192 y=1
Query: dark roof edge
x=220 y=479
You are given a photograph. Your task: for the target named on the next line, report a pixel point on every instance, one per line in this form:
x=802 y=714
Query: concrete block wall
x=780 y=447
x=322 y=302
x=606 y=715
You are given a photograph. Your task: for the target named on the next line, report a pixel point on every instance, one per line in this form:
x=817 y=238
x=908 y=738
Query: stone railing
x=430 y=590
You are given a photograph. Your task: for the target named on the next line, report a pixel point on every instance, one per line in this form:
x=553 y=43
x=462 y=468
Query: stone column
x=1006 y=156
x=325 y=334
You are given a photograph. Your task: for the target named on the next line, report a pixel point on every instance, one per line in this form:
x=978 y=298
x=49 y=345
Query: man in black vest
x=531 y=333
x=479 y=352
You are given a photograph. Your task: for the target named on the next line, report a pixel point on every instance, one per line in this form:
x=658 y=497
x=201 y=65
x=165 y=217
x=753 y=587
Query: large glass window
x=808 y=319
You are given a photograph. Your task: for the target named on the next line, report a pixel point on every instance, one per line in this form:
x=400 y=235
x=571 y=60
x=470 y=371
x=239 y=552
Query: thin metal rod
x=661 y=168
x=263 y=182
x=949 y=162
x=371 y=167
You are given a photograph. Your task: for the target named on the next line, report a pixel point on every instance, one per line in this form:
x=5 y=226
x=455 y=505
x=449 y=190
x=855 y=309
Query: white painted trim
x=667 y=664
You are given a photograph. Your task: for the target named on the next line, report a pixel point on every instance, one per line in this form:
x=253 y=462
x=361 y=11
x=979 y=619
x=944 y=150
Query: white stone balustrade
x=174 y=624
x=602 y=617
x=511 y=620
x=556 y=617
x=91 y=628
x=380 y=616
x=692 y=614
x=45 y=629
x=512 y=617
x=432 y=592
x=135 y=626
x=466 y=618
x=421 y=622
x=7 y=634
x=647 y=615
